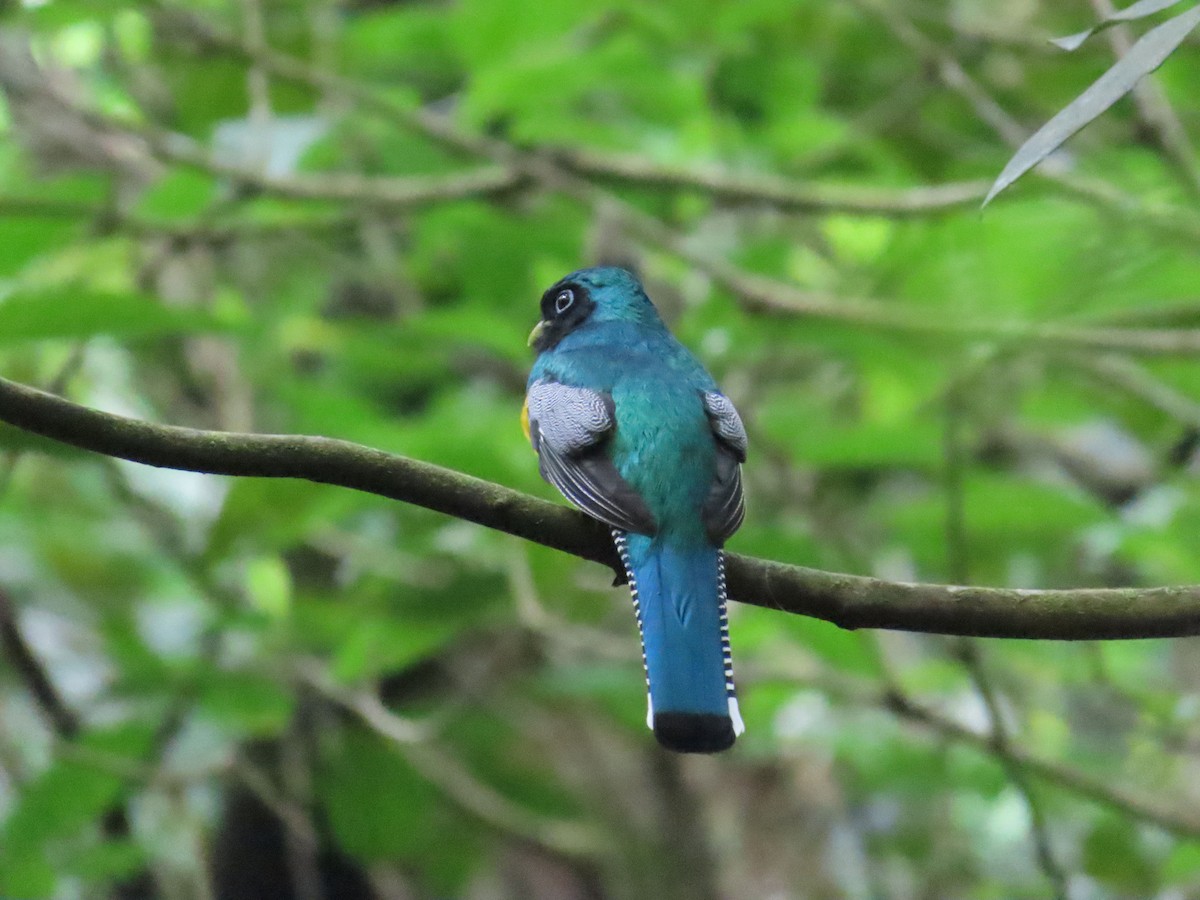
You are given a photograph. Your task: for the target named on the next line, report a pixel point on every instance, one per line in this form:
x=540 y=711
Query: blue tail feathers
x=679 y=599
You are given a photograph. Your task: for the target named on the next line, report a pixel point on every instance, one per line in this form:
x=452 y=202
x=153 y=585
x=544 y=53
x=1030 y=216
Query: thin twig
x=949 y=70
x=969 y=655
x=954 y=472
x=296 y=774
x=756 y=293
x=62 y=720
x=294 y=819
x=335 y=187
x=786 y=195
x=366 y=705
x=1055 y=774
x=1153 y=107
x=65 y=726
x=955 y=77
x=103 y=219
x=1135 y=380
x=967 y=651
x=258 y=89
x=413 y=742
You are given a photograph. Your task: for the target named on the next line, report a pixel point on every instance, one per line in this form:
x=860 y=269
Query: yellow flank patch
x=525 y=420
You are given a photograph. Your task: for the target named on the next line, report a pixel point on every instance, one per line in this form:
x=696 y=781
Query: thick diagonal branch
x=850 y=601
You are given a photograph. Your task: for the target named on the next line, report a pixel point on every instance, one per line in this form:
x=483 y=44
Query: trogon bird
x=631 y=428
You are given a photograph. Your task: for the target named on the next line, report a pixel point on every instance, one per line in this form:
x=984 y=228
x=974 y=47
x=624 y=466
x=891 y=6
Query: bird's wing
x=725 y=506
x=568 y=427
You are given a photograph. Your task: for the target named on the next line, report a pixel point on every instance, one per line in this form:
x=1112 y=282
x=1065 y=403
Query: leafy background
x=336 y=218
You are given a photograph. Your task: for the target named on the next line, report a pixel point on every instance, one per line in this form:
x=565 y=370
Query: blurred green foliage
x=416 y=707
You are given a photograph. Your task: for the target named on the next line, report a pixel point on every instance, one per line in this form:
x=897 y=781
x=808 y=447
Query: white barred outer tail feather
x=622 y=542
x=723 y=599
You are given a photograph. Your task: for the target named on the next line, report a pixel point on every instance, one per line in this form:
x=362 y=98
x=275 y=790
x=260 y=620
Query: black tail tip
x=694 y=732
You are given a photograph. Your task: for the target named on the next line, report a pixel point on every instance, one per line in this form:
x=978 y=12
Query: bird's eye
x=563 y=301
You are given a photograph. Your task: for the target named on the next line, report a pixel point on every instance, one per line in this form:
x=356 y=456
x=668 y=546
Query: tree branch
x=1098 y=788
x=892 y=698
x=969 y=654
x=16 y=651
x=1153 y=106
x=784 y=194
x=404 y=192
x=1039 y=827
x=755 y=293
x=1103 y=196
x=849 y=601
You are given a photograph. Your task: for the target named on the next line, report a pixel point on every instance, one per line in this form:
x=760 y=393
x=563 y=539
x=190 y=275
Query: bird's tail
x=679 y=598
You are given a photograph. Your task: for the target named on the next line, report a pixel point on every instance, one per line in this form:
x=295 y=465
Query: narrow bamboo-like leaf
x=1143 y=58
x=1131 y=13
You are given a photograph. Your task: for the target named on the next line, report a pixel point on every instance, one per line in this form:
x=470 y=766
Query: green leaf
x=64 y=313
x=107 y=861
x=1150 y=52
x=26 y=875
x=1183 y=863
x=269 y=586
x=28 y=236
x=48 y=16
x=273 y=514
x=68 y=796
x=180 y=194
x=245 y=702
x=377 y=646
x=1131 y=13
x=403 y=44
x=1113 y=853
x=849 y=651
x=379 y=807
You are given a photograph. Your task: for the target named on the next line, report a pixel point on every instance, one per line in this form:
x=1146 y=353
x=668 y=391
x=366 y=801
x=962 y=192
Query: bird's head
x=601 y=294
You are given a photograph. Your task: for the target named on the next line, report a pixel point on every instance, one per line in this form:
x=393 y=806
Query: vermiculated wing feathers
x=725 y=507
x=568 y=427
x=726 y=423
x=572 y=419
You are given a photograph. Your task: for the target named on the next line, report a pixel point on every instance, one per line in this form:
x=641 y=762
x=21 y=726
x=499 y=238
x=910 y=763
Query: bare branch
x=892 y=698
x=1064 y=777
x=413 y=741
x=969 y=653
x=1099 y=194
x=63 y=721
x=336 y=187
x=850 y=601
x=783 y=194
x=1153 y=106
x=511 y=167
x=1039 y=828
x=755 y=293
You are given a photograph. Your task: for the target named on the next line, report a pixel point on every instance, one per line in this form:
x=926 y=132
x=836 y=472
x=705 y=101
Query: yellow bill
x=537 y=332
